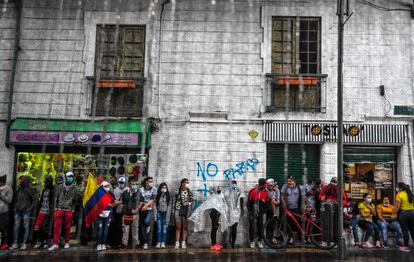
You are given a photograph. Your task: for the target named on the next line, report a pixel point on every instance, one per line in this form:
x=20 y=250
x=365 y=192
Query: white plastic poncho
x=232 y=197
x=200 y=215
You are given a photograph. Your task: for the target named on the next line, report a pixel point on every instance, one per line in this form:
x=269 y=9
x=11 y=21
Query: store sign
x=328 y=132
x=79 y=138
x=383 y=176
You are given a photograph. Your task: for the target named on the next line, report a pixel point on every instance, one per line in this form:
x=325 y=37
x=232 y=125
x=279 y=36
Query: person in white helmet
x=115 y=229
x=66 y=197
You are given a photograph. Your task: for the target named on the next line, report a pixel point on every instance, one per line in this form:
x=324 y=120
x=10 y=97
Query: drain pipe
x=159 y=55
x=16 y=50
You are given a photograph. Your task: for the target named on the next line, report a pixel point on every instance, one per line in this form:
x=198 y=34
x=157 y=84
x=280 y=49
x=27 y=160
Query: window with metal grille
x=296 y=64
x=119 y=70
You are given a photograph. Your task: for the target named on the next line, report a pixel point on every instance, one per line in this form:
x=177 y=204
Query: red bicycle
x=277 y=231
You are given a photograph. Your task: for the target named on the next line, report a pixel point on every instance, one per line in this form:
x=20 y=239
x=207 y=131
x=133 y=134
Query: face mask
x=187 y=185
x=234 y=186
x=397 y=189
x=386 y=204
x=164 y=190
x=121 y=185
x=334 y=184
x=69 y=180
x=369 y=200
x=150 y=185
x=106 y=188
x=134 y=188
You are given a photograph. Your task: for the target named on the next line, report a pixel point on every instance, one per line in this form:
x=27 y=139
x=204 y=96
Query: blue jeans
x=355 y=222
x=102 y=227
x=145 y=223
x=395 y=227
x=18 y=217
x=161 y=226
x=371 y=229
x=406 y=219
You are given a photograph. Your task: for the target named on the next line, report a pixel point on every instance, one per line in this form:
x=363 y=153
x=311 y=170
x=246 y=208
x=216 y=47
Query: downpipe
x=16 y=50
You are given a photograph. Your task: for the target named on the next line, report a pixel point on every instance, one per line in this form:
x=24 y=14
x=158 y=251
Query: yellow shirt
x=402 y=197
x=366 y=212
x=385 y=212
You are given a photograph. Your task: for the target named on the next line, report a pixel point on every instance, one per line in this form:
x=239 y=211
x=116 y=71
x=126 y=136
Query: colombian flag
x=95 y=200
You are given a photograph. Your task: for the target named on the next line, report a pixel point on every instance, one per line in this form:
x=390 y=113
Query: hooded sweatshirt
x=25 y=199
x=66 y=197
x=6 y=198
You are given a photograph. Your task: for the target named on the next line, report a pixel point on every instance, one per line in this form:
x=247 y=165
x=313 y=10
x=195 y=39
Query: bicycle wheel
x=276 y=233
x=316 y=234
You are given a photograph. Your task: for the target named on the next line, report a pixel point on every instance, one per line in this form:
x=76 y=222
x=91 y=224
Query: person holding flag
x=104 y=220
x=66 y=197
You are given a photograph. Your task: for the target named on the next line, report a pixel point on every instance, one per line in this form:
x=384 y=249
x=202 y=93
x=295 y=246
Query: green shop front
x=370 y=154
x=108 y=148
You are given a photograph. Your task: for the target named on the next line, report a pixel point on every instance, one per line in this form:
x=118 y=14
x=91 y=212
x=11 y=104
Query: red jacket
x=329 y=192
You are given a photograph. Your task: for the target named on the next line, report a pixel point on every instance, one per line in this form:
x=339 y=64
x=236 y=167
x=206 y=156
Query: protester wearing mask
x=274 y=195
x=131 y=202
x=6 y=198
x=115 y=229
x=181 y=205
x=367 y=212
x=257 y=201
x=66 y=198
x=329 y=192
x=103 y=221
x=214 y=207
x=352 y=217
x=148 y=193
x=404 y=207
x=42 y=228
x=387 y=218
x=292 y=197
x=163 y=209
x=234 y=201
x=24 y=204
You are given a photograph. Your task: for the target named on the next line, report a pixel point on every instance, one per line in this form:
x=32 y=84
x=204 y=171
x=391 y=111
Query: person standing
x=6 y=198
x=234 y=200
x=131 y=203
x=163 y=209
x=42 y=227
x=148 y=193
x=182 y=203
x=329 y=192
x=66 y=198
x=367 y=212
x=115 y=229
x=104 y=220
x=404 y=207
x=292 y=197
x=257 y=201
x=387 y=218
x=24 y=204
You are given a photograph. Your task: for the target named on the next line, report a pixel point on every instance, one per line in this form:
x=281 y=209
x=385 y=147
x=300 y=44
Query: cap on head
x=121 y=179
x=262 y=181
x=270 y=181
x=334 y=180
x=104 y=184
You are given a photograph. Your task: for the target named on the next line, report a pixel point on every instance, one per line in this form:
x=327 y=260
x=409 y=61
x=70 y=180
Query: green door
x=301 y=162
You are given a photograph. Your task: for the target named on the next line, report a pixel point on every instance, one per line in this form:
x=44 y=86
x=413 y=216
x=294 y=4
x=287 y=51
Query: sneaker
x=99 y=247
x=158 y=245
x=162 y=244
x=145 y=246
x=252 y=244
x=291 y=241
x=103 y=247
x=357 y=244
x=67 y=246
x=183 y=245
x=367 y=245
x=53 y=247
x=260 y=244
x=404 y=249
x=385 y=245
x=219 y=247
x=37 y=245
x=23 y=246
x=177 y=245
x=45 y=246
x=378 y=244
x=213 y=247
x=14 y=246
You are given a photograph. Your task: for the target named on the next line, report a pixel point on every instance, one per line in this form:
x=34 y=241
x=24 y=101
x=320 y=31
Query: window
x=296 y=76
x=119 y=63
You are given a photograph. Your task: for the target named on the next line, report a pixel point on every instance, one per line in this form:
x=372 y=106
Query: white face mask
x=107 y=188
x=150 y=184
x=163 y=190
x=122 y=186
x=369 y=200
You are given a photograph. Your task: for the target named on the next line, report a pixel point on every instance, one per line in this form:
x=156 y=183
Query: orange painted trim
x=295 y=81
x=121 y=84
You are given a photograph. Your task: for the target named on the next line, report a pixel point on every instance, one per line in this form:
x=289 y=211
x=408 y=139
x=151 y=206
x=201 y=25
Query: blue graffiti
x=210 y=170
x=240 y=169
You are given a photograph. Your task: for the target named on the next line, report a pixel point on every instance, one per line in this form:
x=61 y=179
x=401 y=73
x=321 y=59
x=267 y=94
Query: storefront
x=110 y=148
x=370 y=154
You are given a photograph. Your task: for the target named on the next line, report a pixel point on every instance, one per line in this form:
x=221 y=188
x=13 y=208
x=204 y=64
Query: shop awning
x=124 y=132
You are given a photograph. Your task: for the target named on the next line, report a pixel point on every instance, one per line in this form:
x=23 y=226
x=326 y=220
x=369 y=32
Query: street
x=203 y=254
